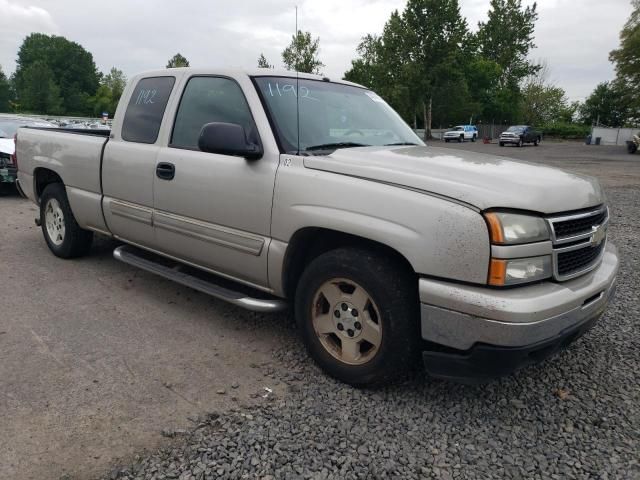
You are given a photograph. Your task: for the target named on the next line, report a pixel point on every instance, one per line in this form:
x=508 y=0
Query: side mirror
x=228 y=139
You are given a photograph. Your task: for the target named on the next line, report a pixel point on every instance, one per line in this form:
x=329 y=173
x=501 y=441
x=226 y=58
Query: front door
x=209 y=209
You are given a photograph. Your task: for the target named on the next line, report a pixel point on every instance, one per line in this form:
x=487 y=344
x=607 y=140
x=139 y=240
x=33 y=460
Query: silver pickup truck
x=267 y=189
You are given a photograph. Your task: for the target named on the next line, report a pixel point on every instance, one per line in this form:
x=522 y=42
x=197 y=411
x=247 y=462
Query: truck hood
x=7 y=145
x=481 y=180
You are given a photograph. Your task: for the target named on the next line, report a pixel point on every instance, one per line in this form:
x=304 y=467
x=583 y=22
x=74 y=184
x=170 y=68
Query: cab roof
x=235 y=72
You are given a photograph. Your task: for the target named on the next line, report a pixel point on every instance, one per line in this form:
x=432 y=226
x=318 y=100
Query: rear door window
x=146 y=108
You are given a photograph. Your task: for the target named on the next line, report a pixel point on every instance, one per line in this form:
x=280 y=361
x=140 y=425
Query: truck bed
x=73 y=154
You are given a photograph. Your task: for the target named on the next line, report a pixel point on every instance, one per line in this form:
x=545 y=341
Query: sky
x=573 y=37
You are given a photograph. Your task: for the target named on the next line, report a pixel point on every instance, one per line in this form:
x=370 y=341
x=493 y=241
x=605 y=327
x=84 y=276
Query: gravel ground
x=575 y=416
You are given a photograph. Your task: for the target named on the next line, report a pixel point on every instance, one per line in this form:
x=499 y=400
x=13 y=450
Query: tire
x=446 y=140
x=520 y=143
x=473 y=139
x=389 y=316
x=536 y=142
x=461 y=139
x=62 y=233
x=631 y=147
x=502 y=144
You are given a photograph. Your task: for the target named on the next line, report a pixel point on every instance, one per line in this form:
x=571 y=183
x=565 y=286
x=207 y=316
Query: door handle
x=166 y=171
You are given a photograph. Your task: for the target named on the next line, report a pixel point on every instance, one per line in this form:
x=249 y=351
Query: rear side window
x=206 y=100
x=146 y=107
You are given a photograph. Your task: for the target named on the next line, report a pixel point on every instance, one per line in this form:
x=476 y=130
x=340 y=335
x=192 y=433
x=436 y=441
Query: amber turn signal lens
x=497 y=272
x=495 y=227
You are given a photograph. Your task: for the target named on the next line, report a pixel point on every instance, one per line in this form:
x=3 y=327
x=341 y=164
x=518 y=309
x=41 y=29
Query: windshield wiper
x=334 y=146
x=398 y=143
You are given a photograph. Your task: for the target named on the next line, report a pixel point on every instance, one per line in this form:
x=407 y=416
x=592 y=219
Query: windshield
x=458 y=129
x=515 y=129
x=332 y=115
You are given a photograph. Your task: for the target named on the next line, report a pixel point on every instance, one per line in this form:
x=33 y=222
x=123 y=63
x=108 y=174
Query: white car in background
x=8 y=128
x=461 y=133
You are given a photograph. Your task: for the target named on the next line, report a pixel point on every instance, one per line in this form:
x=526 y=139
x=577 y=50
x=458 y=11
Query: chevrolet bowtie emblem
x=599 y=233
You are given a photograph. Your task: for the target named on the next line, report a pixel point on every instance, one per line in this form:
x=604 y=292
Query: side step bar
x=196 y=279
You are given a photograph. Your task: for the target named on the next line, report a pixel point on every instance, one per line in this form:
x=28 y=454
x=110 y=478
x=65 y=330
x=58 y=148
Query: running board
x=197 y=279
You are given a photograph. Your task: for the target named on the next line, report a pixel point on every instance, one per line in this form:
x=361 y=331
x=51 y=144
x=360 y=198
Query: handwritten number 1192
x=145 y=97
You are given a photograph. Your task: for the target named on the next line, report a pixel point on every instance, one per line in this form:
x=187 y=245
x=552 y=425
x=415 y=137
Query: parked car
x=518 y=135
x=8 y=128
x=266 y=190
x=461 y=133
x=633 y=145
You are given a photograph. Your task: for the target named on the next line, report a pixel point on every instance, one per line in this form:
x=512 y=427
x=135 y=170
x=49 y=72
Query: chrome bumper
x=460 y=316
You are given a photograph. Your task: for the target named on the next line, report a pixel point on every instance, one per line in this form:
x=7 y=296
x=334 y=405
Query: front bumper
x=476 y=332
x=512 y=140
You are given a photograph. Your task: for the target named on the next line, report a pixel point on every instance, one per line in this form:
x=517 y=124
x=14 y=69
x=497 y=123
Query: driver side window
x=206 y=100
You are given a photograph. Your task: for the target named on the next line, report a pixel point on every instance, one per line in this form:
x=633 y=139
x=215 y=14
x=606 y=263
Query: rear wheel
x=62 y=233
x=632 y=147
x=357 y=312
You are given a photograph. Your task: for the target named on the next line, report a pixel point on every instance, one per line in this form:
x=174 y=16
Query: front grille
x=578 y=260
x=577 y=226
x=578 y=241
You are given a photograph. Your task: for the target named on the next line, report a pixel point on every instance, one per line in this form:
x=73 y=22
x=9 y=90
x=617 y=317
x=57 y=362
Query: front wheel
x=502 y=144
x=461 y=139
x=357 y=312
x=473 y=139
x=536 y=142
x=520 y=143
x=62 y=233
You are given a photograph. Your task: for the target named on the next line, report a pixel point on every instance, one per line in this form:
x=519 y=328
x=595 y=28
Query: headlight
x=514 y=228
x=503 y=272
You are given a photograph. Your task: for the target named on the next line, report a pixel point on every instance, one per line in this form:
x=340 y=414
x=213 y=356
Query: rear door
x=215 y=211
x=130 y=159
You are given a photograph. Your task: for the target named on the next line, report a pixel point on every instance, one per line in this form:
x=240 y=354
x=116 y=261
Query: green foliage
x=302 y=54
x=108 y=93
x=39 y=92
x=627 y=57
x=566 y=130
x=72 y=72
x=263 y=62
x=607 y=105
x=177 y=61
x=5 y=92
x=543 y=102
x=507 y=38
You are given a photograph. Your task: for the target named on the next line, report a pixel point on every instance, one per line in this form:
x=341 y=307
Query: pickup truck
x=518 y=135
x=271 y=189
x=461 y=133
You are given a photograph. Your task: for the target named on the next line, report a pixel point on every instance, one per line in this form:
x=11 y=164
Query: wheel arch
x=308 y=243
x=41 y=178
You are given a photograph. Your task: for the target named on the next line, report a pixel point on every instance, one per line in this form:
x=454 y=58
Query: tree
x=5 y=92
x=72 y=69
x=177 y=61
x=435 y=31
x=627 y=57
x=627 y=63
x=263 y=62
x=607 y=105
x=507 y=38
x=39 y=91
x=108 y=94
x=543 y=102
x=302 y=54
